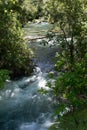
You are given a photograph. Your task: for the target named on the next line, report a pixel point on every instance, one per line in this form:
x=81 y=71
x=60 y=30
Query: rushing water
x=21 y=106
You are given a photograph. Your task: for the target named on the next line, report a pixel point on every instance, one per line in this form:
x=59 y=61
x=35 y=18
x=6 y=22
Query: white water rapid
x=21 y=106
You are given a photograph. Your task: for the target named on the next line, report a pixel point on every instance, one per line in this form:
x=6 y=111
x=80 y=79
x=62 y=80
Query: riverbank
x=72 y=121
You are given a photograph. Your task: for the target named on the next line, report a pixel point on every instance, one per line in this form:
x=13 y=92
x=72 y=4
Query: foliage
x=4 y=74
x=72 y=121
x=38 y=4
x=15 y=56
x=71 y=84
x=71 y=61
x=27 y=12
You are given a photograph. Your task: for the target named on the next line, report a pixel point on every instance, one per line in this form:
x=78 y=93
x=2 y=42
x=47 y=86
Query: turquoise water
x=21 y=106
x=37 y=29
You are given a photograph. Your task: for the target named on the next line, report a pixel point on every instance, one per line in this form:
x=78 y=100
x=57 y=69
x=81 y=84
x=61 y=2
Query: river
x=21 y=106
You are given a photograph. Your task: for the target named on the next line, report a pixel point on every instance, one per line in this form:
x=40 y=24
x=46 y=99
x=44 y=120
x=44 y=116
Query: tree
x=27 y=11
x=38 y=6
x=71 y=84
x=15 y=56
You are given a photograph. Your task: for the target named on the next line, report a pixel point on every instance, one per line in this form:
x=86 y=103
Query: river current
x=21 y=106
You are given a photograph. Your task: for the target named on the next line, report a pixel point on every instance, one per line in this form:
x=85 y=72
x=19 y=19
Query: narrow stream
x=21 y=106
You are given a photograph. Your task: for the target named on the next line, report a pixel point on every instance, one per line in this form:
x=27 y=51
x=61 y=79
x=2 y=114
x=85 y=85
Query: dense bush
x=70 y=86
x=71 y=63
x=4 y=75
x=15 y=56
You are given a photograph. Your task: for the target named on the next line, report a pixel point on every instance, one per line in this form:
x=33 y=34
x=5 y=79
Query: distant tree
x=39 y=7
